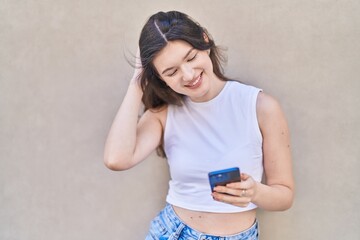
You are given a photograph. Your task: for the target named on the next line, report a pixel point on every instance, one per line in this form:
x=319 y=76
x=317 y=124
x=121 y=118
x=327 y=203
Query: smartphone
x=223 y=177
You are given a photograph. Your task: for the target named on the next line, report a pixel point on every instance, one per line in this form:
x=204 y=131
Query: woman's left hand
x=237 y=193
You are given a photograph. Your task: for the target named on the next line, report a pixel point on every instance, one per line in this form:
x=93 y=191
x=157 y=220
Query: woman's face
x=186 y=70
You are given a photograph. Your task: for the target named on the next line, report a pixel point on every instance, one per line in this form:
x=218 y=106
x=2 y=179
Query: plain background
x=63 y=74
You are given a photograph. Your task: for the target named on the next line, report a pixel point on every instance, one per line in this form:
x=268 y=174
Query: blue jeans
x=168 y=226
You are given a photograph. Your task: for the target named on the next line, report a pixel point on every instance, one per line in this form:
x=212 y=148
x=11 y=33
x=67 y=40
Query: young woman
x=201 y=122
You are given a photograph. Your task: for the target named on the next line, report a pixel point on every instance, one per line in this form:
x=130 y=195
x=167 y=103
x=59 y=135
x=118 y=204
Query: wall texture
x=63 y=75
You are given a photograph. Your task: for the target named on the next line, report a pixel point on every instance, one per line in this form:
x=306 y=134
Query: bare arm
x=278 y=191
x=130 y=141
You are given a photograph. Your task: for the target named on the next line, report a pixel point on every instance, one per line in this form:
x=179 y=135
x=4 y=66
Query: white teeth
x=195 y=82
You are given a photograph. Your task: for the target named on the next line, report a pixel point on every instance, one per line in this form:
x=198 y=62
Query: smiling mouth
x=196 y=82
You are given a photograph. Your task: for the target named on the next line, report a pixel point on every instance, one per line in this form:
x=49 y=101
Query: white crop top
x=208 y=136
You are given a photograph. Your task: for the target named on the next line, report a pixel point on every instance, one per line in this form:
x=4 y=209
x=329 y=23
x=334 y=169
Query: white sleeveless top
x=201 y=137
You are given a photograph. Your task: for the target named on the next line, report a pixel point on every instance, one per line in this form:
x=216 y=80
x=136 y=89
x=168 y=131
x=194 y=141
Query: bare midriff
x=221 y=224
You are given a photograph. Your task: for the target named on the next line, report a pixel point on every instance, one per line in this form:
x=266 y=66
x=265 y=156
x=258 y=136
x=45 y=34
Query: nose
x=187 y=72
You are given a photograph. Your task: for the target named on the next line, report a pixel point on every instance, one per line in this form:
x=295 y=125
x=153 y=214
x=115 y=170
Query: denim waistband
x=182 y=231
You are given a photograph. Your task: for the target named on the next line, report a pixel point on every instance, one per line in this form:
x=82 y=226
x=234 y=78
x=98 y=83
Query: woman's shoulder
x=268 y=108
x=266 y=103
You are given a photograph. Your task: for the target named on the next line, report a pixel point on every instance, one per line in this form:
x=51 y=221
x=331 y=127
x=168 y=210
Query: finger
x=238 y=192
x=237 y=185
x=227 y=190
x=244 y=176
x=138 y=63
x=234 y=185
x=138 y=66
x=241 y=185
x=238 y=201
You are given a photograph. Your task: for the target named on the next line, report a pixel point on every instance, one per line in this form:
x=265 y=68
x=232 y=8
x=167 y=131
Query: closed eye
x=172 y=74
x=189 y=60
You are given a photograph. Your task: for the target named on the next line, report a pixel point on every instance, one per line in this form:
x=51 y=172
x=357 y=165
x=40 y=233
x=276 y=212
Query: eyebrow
x=187 y=54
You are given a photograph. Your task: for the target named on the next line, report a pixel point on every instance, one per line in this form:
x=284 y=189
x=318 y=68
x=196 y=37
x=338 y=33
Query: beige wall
x=63 y=76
